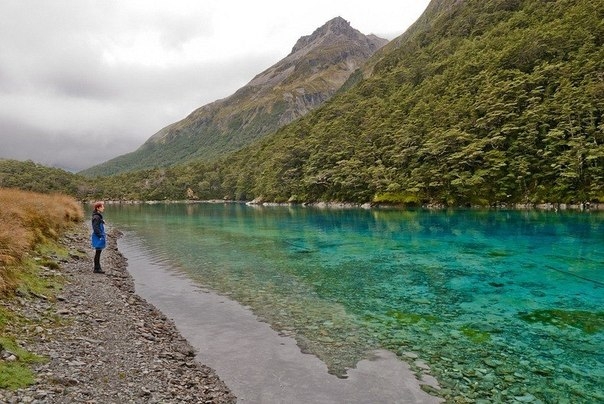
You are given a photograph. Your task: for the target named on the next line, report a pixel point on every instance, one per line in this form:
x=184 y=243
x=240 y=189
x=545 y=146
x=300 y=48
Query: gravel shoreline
x=110 y=345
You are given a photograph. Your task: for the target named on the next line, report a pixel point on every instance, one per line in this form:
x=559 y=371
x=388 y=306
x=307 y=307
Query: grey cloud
x=39 y=52
x=70 y=151
x=93 y=130
x=176 y=31
x=65 y=131
x=78 y=77
x=62 y=105
x=202 y=82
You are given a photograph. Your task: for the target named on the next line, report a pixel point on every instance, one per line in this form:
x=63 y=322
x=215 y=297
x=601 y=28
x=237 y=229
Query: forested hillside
x=482 y=102
x=29 y=176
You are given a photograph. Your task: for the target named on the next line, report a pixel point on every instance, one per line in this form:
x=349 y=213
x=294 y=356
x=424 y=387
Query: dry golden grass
x=26 y=220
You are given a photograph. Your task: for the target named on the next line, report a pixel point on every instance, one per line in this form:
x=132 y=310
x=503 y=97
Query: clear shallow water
x=503 y=305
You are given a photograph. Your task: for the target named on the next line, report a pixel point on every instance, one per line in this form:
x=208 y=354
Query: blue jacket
x=98 y=237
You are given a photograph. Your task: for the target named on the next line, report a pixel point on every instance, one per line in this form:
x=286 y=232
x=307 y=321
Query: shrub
x=29 y=219
x=396 y=198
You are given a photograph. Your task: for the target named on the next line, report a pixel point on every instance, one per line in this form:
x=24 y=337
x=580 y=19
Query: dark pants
x=97 y=260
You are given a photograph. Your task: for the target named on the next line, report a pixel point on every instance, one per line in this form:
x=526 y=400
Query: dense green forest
x=29 y=176
x=494 y=102
x=491 y=102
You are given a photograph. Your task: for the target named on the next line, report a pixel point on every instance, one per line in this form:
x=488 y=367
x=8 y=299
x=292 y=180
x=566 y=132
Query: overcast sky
x=83 y=81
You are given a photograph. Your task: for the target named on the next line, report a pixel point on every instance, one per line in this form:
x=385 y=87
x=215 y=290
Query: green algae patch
x=586 y=321
x=410 y=318
x=499 y=253
x=476 y=336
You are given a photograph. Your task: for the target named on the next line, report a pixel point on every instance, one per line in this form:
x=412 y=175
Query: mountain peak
x=334 y=44
x=318 y=66
x=335 y=27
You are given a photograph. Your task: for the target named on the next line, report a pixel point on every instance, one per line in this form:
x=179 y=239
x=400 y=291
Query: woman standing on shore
x=98 y=237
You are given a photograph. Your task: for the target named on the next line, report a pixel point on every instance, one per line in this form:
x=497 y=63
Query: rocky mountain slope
x=315 y=69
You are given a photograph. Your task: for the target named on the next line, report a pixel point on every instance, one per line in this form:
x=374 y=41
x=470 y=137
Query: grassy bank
x=31 y=225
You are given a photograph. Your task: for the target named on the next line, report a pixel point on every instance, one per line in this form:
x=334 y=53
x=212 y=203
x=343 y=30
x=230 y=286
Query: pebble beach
x=102 y=343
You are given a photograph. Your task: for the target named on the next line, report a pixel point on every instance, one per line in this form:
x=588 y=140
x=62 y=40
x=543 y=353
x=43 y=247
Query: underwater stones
x=430 y=389
x=421 y=301
x=455 y=375
x=556 y=351
x=543 y=371
x=499 y=253
x=481 y=371
x=455 y=334
x=421 y=365
x=487 y=385
x=410 y=355
x=527 y=398
x=493 y=363
x=504 y=371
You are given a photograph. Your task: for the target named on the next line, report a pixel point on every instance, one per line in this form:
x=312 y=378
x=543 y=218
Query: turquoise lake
x=503 y=306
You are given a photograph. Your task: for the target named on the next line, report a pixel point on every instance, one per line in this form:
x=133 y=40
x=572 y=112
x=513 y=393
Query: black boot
x=97 y=263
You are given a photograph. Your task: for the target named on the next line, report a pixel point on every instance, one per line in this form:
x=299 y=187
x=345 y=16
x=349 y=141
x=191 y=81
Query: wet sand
x=255 y=362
